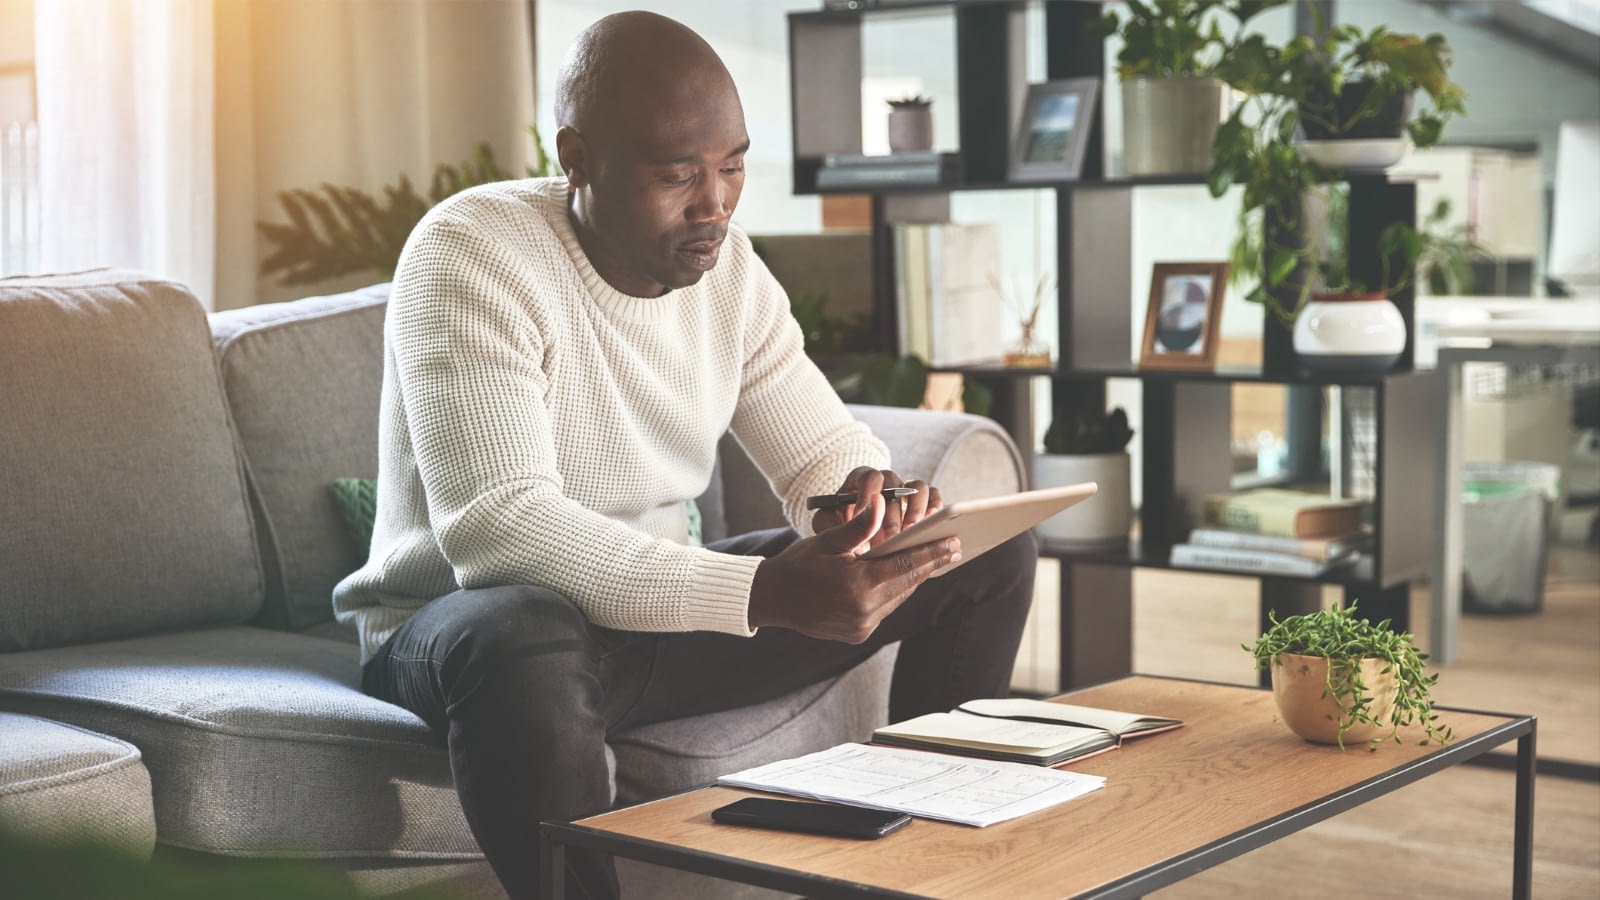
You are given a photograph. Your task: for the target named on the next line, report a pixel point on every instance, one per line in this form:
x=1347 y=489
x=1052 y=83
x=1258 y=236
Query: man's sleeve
x=473 y=390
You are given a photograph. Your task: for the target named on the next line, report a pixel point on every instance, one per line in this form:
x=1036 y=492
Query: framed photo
x=1182 y=324
x=1057 y=117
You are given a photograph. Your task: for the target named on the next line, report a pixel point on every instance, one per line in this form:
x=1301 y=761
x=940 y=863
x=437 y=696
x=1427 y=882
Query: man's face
x=664 y=186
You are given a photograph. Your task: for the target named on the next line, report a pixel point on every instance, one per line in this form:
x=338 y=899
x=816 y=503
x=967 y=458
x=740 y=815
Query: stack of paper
x=930 y=785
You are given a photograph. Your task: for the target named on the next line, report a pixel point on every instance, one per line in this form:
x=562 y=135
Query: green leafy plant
x=1168 y=38
x=885 y=380
x=1444 y=262
x=334 y=231
x=1083 y=433
x=1343 y=640
x=1281 y=250
x=827 y=334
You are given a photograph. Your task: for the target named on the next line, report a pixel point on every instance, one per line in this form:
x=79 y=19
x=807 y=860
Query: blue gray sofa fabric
x=61 y=783
x=168 y=548
x=122 y=497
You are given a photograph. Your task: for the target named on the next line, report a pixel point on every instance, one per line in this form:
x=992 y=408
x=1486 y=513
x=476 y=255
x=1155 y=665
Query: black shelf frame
x=1186 y=414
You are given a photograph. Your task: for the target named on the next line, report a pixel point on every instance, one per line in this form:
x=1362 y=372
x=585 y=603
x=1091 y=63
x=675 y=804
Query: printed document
x=930 y=785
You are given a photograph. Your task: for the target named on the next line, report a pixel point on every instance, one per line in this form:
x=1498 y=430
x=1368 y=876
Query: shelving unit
x=1185 y=436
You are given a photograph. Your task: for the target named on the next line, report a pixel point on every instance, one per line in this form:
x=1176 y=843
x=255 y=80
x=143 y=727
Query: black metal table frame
x=556 y=836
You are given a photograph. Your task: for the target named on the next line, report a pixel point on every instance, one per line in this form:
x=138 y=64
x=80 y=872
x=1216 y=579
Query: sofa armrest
x=963 y=455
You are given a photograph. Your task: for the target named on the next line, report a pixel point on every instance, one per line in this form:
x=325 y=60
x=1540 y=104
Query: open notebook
x=1033 y=731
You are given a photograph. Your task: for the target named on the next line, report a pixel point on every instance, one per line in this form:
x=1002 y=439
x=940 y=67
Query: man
x=562 y=356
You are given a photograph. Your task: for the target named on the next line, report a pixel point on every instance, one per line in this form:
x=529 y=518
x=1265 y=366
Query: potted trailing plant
x=911 y=124
x=1084 y=446
x=1339 y=679
x=1343 y=84
x=1172 y=101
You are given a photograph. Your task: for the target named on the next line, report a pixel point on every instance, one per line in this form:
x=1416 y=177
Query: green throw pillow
x=692 y=511
x=357 y=499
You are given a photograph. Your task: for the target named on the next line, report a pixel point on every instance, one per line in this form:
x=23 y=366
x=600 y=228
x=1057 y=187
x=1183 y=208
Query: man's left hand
x=899 y=514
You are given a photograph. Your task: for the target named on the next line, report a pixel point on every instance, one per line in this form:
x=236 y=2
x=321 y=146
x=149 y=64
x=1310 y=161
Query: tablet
x=987 y=523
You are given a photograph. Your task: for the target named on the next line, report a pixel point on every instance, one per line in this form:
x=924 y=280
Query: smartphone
x=816 y=818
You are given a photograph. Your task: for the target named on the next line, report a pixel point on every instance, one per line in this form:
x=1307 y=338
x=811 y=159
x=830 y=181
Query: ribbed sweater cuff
x=720 y=597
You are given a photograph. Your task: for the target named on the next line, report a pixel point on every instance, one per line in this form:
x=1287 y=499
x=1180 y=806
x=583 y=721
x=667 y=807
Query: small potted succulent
x=1079 y=447
x=1338 y=679
x=911 y=124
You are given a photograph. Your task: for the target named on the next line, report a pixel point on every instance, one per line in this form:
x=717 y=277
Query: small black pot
x=1388 y=122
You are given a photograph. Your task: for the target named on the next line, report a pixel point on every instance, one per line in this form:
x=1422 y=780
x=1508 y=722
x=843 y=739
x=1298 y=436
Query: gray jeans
x=524 y=690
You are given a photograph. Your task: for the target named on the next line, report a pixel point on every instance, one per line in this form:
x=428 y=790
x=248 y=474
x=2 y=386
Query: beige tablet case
x=983 y=524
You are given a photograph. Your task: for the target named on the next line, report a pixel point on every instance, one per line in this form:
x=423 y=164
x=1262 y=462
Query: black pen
x=829 y=501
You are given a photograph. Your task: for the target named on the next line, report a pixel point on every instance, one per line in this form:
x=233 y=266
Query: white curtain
x=168 y=127
x=125 y=134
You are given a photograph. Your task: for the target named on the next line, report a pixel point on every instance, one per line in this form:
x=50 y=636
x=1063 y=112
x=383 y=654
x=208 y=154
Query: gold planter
x=1298 y=684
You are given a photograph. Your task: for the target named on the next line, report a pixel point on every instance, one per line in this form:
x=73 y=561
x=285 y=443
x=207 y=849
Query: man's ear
x=573 y=155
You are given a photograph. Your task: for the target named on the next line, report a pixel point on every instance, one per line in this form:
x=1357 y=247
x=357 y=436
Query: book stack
x=946 y=303
x=1268 y=531
x=862 y=172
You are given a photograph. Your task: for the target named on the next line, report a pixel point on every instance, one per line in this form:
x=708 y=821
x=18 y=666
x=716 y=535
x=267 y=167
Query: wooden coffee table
x=1231 y=780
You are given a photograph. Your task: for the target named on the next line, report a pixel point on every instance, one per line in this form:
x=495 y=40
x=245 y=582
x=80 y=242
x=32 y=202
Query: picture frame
x=1182 y=323
x=1053 y=132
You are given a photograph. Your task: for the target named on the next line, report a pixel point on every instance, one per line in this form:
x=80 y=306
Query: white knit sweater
x=538 y=427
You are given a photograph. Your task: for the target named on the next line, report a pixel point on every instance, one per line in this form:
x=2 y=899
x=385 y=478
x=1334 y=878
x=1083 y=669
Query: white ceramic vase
x=1101 y=520
x=1349 y=334
x=1168 y=124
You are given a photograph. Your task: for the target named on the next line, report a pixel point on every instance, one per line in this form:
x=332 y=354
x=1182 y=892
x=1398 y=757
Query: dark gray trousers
x=524 y=689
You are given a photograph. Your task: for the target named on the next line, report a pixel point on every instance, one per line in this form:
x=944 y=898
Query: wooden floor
x=1446 y=836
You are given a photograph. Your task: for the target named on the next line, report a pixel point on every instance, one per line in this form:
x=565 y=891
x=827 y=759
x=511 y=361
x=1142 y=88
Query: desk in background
x=1550 y=333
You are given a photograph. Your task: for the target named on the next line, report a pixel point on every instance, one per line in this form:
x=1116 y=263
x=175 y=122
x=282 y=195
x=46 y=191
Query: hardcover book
x=1022 y=730
x=1282 y=513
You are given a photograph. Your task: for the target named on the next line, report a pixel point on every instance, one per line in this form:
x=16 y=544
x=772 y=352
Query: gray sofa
x=170 y=677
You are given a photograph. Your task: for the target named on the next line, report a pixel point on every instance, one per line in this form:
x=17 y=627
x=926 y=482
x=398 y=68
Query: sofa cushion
x=122 y=492
x=258 y=742
x=303 y=380
x=62 y=784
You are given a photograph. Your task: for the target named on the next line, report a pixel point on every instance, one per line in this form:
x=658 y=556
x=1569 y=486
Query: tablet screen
x=984 y=524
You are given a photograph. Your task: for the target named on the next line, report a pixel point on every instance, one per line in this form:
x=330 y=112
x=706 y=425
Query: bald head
x=651 y=135
x=634 y=64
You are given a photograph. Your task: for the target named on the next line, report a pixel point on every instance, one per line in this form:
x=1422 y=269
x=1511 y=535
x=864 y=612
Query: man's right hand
x=821 y=587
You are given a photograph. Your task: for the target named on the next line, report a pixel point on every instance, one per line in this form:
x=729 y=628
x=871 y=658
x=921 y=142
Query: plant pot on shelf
x=1101 y=521
x=1168 y=124
x=910 y=127
x=1349 y=334
x=1341 y=133
x=1300 y=690
x=1345 y=117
